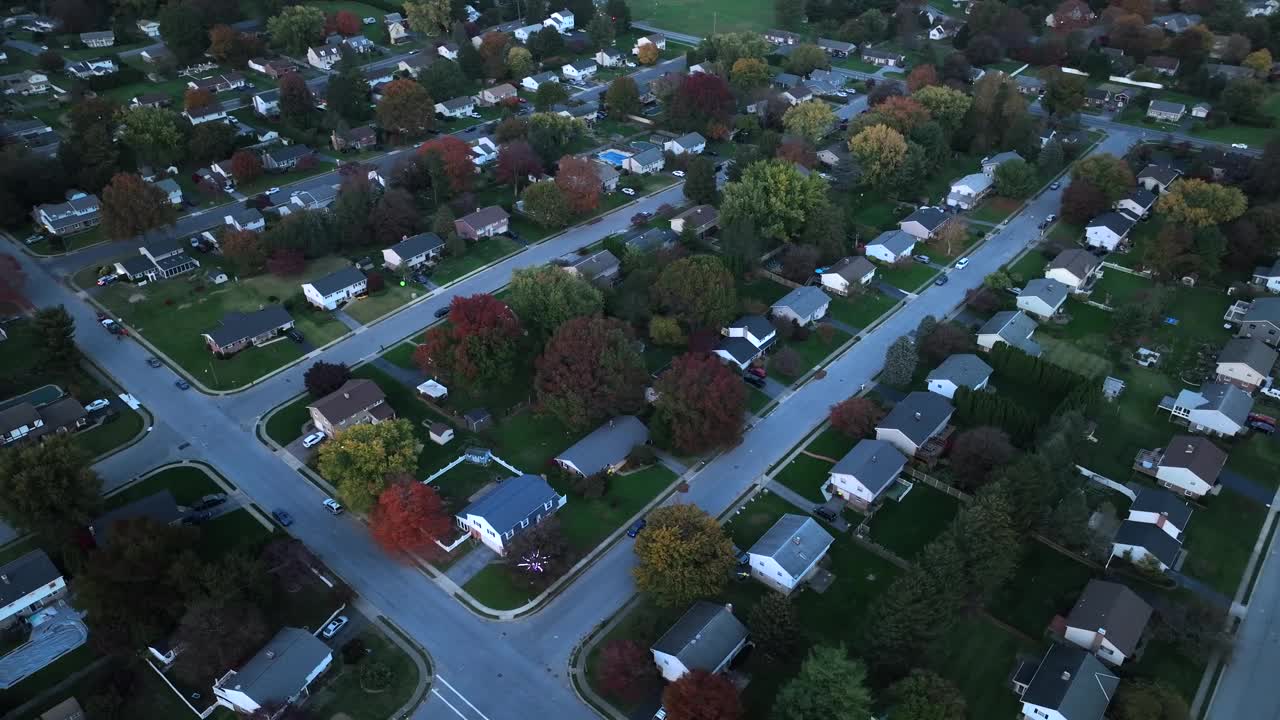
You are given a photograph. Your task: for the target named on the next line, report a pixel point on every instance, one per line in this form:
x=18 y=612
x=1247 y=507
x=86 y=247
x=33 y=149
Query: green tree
x=775 y=626
x=550 y=134
x=49 y=488
x=698 y=290
x=1016 y=179
x=880 y=151
x=622 y=97
x=1109 y=174
x=131 y=207
x=805 y=58
x=741 y=245
x=405 y=108
x=546 y=297
x=830 y=685
x=1242 y=100
x=748 y=74
x=428 y=16
x=520 y=62
x=1198 y=204
x=1051 y=158
x=1146 y=700
x=360 y=460
x=988 y=541
x=900 y=363
x=347 y=96
x=601 y=32
x=775 y=197
x=621 y=14
x=590 y=371
x=811 y=120
x=57 y=332
x=1064 y=93
x=700 y=181
x=445 y=79
x=924 y=695
x=728 y=48
x=544 y=203
x=682 y=555
x=666 y=331
x=296 y=28
x=154 y=134
x=548 y=95
x=945 y=105
x=183 y=31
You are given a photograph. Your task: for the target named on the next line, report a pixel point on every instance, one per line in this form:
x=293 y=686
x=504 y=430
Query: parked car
x=825 y=513
x=942 y=280
x=182 y=384
x=211 y=501
x=333 y=506
x=294 y=335
x=442 y=312
x=678 y=173
x=758 y=371
x=195 y=243
x=96 y=405
x=313 y=439
x=196 y=518
x=109 y=324
x=106 y=280
x=282 y=516
x=332 y=628
x=962 y=262
x=1240 y=146
x=636 y=527
x=1051 y=219
x=753 y=380
x=628 y=191
x=1263 y=427
x=921 y=259
x=33 y=239
x=1055 y=185
x=1014 y=290
x=154 y=362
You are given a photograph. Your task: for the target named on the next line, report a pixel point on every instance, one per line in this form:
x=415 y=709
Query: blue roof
x=512 y=501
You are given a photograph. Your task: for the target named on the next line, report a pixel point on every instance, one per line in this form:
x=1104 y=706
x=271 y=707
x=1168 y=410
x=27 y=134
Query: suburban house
x=324 y=57
x=27 y=82
x=1140 y=541
x=237 y=330
x=606 y=448
x=274 y=68
x=587 y=111
x=600 y=267
x=158 y=259
x=1138 y=203
x=213 y=112
x=279 y=674
x=658 y=40
x=788 y=553
x=1165 y=111
x=495 y=94
x=1042 y=297
x=150 y=28
x=29 y=583
x=891 y=246
x=1012 y=327
x=414 y=251
x=914 y=421
x=700 y=219
x=25 y=421
x=688 y=143
x=1158 y=178
x=989 y=164
x=509 y=509
x=171 y=190
x=1168 y=512
x=883 y=58
x=448 y=51
x=1262 y=320
x=358 y=138
x=1176 y=23
x=1201 y=110
x=245 y=219
x=1074 y=13
x=1109 y=229
x=848 y=273
x=80 y=212
x=1268 y=277
x=336 y=288
x=1068 y=684
x=1029 y=85
x=1164 y=65
x=645 y=162
x=837 y=48
x=357 y=402
x=398 y=32
x=1229 y=72
x=98 y=39
x=1189 y=464
x=797 y=94
x=1214 y=409
x=969 y=190
x=533 y=82
x=159 y=508
x=561 y=20
x=707 y=637
x=745 y=339
x=218 y=83
x=945 y=28
x=865 y=473
x=924 y=222
x=1073 y=267
x=782 y=37
x=957 y=371
x=646 y=241
x=415 y=64
x=609 y=57
x=485 y=222
x=803 y=306
x=85 y=69
x=1246 y=363
x=458 y=107
x=267 y=103
x=280 y=159
x=579 y=70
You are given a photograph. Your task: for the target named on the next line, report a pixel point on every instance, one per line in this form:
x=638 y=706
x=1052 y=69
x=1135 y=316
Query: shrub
x=375 y=676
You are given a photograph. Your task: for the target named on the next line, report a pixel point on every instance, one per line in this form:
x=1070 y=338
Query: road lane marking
x=446 y=702
x=464 y=697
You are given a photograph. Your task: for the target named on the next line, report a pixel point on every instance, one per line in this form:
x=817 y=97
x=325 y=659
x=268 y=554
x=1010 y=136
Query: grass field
x=995 y=209
x=806 y=476
x=368 y=309
x=1028 y=267
x=586 y=522
x=1047 y=583
x=978 y=655
x=1220 y=539
x=705 y=18
x=908 y=276
x=862 y=309
x=187 y=483
x=478 y=255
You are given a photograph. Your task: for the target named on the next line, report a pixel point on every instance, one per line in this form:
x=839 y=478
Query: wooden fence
x=936 y=484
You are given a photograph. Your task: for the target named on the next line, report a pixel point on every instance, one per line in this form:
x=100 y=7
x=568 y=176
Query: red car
x=521 y=100
x=758 y=371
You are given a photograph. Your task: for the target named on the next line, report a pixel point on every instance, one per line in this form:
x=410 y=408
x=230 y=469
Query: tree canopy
x=775 y=196
x=360 y=460
x=590 y=371
x=683 y=555
x=700 y=404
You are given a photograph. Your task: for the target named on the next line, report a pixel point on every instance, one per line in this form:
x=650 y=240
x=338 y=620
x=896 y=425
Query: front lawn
x=812 y=350
x=805 y=475
x=236 y=530
x=188 y=483
x=861 y=309
x=1028 y=267
x=1220 y=539
x=390 y=298
x=479 y=254
x=1256 y=457
x=754 y=519
x=286 y=424
x=587 y=522
x=905 y=527
x=908 y=275
x=494 y=587
x=995 y=209
x=341 y=695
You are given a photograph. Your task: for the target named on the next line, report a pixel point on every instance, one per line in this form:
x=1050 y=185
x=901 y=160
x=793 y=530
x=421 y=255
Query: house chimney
x=1066 y=674
x=919 y=416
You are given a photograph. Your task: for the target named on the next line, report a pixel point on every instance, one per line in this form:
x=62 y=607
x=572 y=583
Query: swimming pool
x=613 y=157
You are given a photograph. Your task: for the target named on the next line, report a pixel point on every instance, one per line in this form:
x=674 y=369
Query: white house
x=210 y=113
x=707 y=637
x=990 y=164
x=30 y=583
x=495 y=94
x=336 y=288
x=1139 y=542
x=171 y=189
x=324 y=57
x=483 y=151
x=1012 y=327
x=745 y=339
x=606 y=448
x=690 y=143
x=1108 y=620
x=658 y=40
x=1073 y=267
x=85 y=69
x=865 y=472
x=1042 y=298
x=267 y=103
x=458 y=107
x=847 y=274
x=561 y=20
x=522 y=34
x=804 y=306
x=245 y=219
x=1158 y=178
x=412 y=252
x=969 y=190
x=891 y=246
x=579 y=70
x=789 y=552
x=1215 y=409
x=924 y=222
x=645 y=162
x=448 y=51
x=699 y=219
x=1137 y=203
x=957 y=371
x=609 y=57
x=916 y=419
x=1268 y=277
x=1161 y=508
x=150 y=28
x=1246 y=363
x=1108 y=230
x=1068 y=684
x=1190 y=464
x=533 y=82
x=80 y=212
x=281 y=672
x=98 y=39
x=512 y=507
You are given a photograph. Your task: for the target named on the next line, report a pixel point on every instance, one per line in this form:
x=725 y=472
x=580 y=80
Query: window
x=508 y=534
x=524 y=523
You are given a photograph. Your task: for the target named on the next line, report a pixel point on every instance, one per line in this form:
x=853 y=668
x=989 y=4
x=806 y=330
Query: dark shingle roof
x=1148 y=536
x=931 y=218
x=1114 y=608
x=918 y=416
x=237 y=326
x=606 y=445
x=1250 y=351
x=1163 y=502
x=703 y=637
x=1073 y=682
x=353 y=397
x=964 y=370
x=280 y=669
x=875 y=464
x=27 y=573
x=1195 y=453
x=795 y=542
x=337 y=280
x=1075 y=261
x=417 y=245
x=852 y=268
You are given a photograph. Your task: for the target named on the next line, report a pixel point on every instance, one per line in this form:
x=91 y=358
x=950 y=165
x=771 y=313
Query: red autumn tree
x=627 y=671
x=346 y=22
x=517 y=160
x=922 y=76
x=700 y=404
x=700 y=695
x=700 y=100
x=375 y=282
x=13 y=282
x=196 y=98
x=286 y=262
x=477 y=346
x=409 y=518
x=589 y=371
x=856 y=417
x=579 y=184
x=246 y=166
x=797 y=151
x=903 y=113
x=243 y=248
x=455 y=157
x=131 y=206
x=979 y=451
x=1082 y=201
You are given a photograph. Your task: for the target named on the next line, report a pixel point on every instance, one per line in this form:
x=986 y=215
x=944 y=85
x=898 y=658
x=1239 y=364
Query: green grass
x=108 y=436
x=978 y=655
x=1257 y=457
x=831 y=443
x=286 y=425
x=1220 y=539
x=404 y=401
x=392 y=297
x=529 y=441
x=341 y=693
x=465 y=479
x=1028 y=267
x=939 y=183
x=704 y=18
x=805 y=475
x=273 y=179
x=401 y=355
x=756 y=517
x=855 y=63
x=861 y=309
x=1161 y=661
x=151 y=310
x=233 y=531
x=187 y=483
x=761 y=290
x=995 y=209
x=812 y=350
x=17 y=549
x=1088 y=326
x=1116 y=288
x=757 y=401
x=586 y=522
x=494 y=587
x=479 y=254
x=877 y=213
x=906 y=527
x=909 y=276
x=1047 y=583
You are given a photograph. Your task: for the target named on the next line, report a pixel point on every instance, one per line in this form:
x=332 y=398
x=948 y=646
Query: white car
x=628 y=191
x=1051 y=219
x=1240 y=146
x=273 y=191
x=962 y=262
x=369 y=21
x=312 y=440
x=678 y=173
x=332 y=628
x=96 y=405
x=333 y=506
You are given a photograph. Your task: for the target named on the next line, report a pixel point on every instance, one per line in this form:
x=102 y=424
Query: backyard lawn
x=978 y=655
x=150 y=310
x=1047 y=583
x=861 y=309
x=1257 y=457
x=906 y=526
x=1117 y=287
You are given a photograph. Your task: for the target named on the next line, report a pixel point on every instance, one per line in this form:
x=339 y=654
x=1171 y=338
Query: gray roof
x=417 y=245
x=1195 y=453
x=246 y=216
x=787 y=80
x=795 y=542
x=1114 y=608
x=1163 y=106
x=1227 y=399
x=918 y=416
x=964 y=370
x=647 y=157
x=136 y=265
x=1159 y=173
x=17 y=415
x=168 y=185
x=1013 y=326
x=1250 y=351
x=1176 y=22
x=582 y=64
x=596 y=264
x=459 y=102
x=699 y=215
x=690 y=140
x=875 y=464
x=704 y=637
x=1075 y=261
x=896 y=241
x=607 y=445
x=931 y=218
x=484 y=217
x=1028 y=81
x=757 y=325
x=803 y=301
x=885 y=54
x=1264 y=310
x=1117 y=222
x=828 y=44
x=513 y=500
x=544 y=77
x=337 y=280
x=1155 y=540
x=1073 y=682
x=160 y=507
x=1142 y=197
x=852 y=268
x=1163 y=502
x=1052 y=292
x=651 y=239
x=1230 y=72
x=1001 y=158
x=27 y=573
x=288 y=153
x=1267 y=272
x=236 y=326
x=174 y=261
x=160 y=246
x=280 y=669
